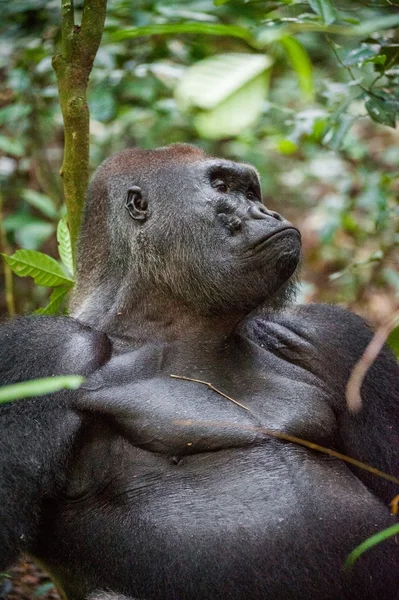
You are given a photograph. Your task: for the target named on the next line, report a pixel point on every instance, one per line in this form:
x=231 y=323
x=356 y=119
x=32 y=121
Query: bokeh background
x=307 y=91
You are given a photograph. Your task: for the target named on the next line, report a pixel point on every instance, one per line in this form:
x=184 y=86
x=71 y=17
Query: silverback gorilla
x=150 y=487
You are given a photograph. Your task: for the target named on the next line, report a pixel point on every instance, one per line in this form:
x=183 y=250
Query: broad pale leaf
x=238 y=111
x=39 y=387
x=64 y=244
x=44 y=269
x=211 y=81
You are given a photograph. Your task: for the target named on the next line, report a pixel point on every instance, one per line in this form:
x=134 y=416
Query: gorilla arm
x=328 y=341
x=35 y=434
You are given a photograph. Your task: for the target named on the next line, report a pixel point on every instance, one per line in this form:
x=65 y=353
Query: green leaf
x=393 y=341
x=300 y=61
x=32 y=235
x=56 y=299
x=230 y=91
x=64 y=244
x=360 y=55
x=180 y=28
x=236 y=113
x=44 y=269
x=11 y=146
x=324 y=9
x=39 y=387
x=381 y=112
x=370 y=542
x=211 y=81
x=377 y=24
x=41 y=202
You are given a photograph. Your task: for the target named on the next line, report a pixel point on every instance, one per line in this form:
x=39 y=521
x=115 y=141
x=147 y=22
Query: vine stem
x=8 y=277
x=72 y=67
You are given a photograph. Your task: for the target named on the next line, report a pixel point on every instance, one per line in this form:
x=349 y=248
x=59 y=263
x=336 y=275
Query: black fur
x=141 y=485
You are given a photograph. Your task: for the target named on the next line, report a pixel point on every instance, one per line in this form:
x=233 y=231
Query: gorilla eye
x=220 y=185
x=252 y=197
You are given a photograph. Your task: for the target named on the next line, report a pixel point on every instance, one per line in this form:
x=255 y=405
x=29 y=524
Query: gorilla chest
x=176 y=415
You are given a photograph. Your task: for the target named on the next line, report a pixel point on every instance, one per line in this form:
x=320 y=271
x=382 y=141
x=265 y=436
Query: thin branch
x=211 y=387
x=353 y=396
x=293 y=439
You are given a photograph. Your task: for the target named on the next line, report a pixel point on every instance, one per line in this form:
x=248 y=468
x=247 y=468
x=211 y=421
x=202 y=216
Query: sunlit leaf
x=324 y=9
x=237 y=112
x=56 y=299
x=64 y=244
x=44 y=269
x=301 y=63
x=39 y=387
x=372 y=541
x=211 y=81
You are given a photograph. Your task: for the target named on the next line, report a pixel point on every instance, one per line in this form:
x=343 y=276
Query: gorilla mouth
x=264 y=241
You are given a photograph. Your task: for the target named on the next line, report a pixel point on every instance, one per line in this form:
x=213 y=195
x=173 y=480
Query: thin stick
x=8 y=277
x=353 y=396
x=211 y=387
x=295 y=440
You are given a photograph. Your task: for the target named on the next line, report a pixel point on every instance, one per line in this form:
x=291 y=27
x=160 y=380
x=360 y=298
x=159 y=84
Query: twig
x=353 y=396
x=295 y=440
x=212 y=387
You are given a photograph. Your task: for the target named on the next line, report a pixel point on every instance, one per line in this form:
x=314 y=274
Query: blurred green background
x=307 y=91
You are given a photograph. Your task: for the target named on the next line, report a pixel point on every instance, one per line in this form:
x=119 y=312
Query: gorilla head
x=186 y=228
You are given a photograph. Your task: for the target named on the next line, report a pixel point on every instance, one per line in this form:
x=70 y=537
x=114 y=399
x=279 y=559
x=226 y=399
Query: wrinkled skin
x=144 y=486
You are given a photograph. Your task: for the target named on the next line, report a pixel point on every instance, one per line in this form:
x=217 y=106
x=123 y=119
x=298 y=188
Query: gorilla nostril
x=276 y=215
x=235 y=224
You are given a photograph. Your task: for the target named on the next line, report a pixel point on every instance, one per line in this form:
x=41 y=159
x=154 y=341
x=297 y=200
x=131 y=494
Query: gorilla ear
x=135 y=204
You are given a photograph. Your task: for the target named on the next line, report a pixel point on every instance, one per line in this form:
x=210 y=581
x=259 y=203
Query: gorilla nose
x=261 y=212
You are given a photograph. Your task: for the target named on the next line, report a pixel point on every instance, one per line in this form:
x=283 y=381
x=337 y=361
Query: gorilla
x=158 y=479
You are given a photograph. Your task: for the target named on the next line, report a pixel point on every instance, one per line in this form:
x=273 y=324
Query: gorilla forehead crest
x=136 y=161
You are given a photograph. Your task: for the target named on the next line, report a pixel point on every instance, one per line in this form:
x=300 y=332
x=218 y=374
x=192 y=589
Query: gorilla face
x=207 y=238
x=194 y=229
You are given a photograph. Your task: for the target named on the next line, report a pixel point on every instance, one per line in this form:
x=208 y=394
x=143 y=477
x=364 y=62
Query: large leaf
x=211 y=81
x=64 y=244
x=32 y=235
x=302 y=65
x=39 y=387
x=44 y=269
x=236 y=113
x=324 y=9
x=56 y=299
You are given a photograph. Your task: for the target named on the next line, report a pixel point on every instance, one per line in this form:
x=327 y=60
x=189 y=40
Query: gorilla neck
x=150 y=316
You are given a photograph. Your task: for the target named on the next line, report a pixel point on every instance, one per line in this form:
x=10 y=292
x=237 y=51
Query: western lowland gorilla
x=148 y=486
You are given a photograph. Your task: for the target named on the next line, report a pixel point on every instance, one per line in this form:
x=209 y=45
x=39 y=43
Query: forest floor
x=27 y=582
